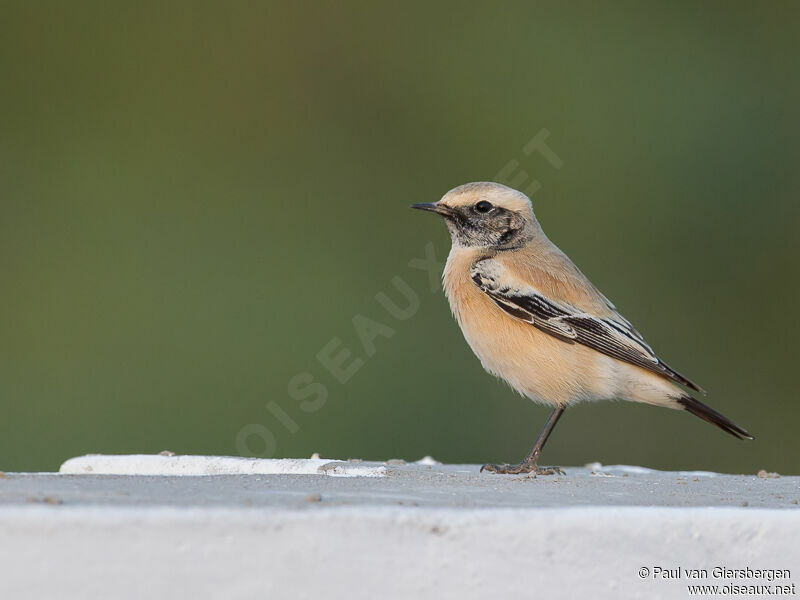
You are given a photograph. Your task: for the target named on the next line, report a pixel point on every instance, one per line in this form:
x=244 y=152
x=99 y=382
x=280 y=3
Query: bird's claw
x=522 y=468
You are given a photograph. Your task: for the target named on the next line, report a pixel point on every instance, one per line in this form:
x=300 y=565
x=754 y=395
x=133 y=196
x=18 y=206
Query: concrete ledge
x=438 y=531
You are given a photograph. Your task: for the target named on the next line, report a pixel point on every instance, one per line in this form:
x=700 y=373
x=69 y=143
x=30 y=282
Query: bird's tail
x=707 y=413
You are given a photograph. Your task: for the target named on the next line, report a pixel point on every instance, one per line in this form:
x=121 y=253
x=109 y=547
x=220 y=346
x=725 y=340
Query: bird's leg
x=529 y=464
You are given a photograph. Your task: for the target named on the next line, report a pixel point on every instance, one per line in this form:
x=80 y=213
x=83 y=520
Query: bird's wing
x=609 y=334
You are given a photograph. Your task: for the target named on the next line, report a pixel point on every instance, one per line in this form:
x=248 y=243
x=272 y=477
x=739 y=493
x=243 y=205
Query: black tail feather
x=707 y=413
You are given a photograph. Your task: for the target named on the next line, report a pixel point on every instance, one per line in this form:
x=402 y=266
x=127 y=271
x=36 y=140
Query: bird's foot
x=522 y=468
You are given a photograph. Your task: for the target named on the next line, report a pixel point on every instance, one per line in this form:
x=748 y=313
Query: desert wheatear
x=536 y=321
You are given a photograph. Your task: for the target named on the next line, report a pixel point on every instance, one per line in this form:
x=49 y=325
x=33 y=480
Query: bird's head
x=486 y=215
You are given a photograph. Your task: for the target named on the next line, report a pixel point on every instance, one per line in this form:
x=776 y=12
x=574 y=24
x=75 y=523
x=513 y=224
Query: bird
x=536 y=321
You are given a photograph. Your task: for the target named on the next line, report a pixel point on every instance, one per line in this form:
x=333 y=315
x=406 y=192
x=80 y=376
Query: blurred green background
x=195 y=198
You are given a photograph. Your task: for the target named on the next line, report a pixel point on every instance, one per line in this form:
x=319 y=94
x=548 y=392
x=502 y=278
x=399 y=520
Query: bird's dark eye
x=483 y=206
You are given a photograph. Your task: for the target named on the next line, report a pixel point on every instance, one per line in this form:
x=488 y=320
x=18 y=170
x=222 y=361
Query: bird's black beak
x=433 y=207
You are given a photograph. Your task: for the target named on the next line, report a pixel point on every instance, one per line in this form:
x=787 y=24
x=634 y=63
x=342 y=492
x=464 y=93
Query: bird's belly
x=537 y=365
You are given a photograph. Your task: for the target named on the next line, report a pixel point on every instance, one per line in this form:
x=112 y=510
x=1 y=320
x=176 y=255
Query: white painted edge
x=158 y=464
x=636 y=470
x=390 y=552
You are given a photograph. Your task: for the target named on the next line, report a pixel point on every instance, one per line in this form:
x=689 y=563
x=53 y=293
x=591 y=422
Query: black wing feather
x=609 y=337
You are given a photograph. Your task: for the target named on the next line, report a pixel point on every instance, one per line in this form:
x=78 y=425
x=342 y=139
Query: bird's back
x=543 y=266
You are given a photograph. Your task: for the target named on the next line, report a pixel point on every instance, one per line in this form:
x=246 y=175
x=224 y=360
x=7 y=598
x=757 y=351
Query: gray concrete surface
x=412 y=485
x=416 y=531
